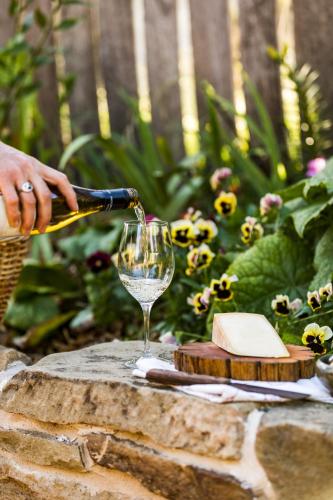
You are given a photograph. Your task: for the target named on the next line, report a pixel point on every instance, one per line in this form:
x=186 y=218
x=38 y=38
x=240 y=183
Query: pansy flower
x=296 y=305
x=99 y=261
x=281 y=305
x=270 y=202
x=226 y=203
x=168 y=338
x=251 y=230
x=221 y=289
x=326 y=292
x=314 y=300
x=315 y=166
x=218 y=176
x=192 y=214
x=200 y=301
x=182 y=232
x=314 y=336
x=205 y=231
x=199 y=258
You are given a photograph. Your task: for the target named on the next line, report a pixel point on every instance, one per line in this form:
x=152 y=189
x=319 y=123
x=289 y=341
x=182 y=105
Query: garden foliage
x=251 y=231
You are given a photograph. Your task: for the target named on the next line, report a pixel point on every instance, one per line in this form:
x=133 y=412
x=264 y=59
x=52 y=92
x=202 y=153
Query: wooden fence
x=102 y=50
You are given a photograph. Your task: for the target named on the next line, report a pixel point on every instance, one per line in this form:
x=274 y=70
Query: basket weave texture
x=12 y=253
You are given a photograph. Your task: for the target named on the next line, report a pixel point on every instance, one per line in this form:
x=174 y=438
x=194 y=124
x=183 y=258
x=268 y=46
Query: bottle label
x=109 y=204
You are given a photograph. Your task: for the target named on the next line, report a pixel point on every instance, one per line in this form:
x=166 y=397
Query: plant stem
x=146 y=308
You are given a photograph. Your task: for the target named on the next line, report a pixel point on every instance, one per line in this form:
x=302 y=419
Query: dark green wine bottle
x=90 y=201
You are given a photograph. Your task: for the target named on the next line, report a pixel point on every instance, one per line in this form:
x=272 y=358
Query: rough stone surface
x=93 y=386
x=42 y=446
x=295 y=447
x=8 y=356
x=175 y=476
x=11 y=489
x=24 y=481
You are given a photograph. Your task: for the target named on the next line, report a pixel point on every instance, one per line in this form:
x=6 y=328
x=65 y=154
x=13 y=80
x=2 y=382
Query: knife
x=169 y=377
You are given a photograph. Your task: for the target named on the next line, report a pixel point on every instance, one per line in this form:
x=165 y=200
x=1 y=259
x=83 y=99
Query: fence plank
x=118 y=61
x=211 y=47
x=48 y=98
x=79 y=61
x=162 y=55
x=313 y=33
x=6 y=22
x=258 y=31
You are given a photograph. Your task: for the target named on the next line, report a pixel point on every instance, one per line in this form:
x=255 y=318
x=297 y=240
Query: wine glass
x=145 y=265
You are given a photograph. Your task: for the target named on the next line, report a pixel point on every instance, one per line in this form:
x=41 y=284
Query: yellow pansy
x=221 y=288
x=326 y=292
x=314 y=337
x=226 y=203
x=251 y=230
x=281 y=305
x=199 y=258
x=314 y=300
x=205 y=231
x=200 y=301
x=182 y=232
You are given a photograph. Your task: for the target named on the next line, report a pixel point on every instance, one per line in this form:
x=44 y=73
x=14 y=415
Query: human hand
x=34 y=209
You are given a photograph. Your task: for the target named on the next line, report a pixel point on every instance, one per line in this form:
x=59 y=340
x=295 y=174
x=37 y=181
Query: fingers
x=44 y=199
x=12 y=204
x=60 y=180
x=28 y=203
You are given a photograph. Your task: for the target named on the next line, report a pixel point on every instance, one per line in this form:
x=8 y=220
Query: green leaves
x=79 y=246
x=309 y=202
x=31 y=311
x=323 y=260
x=276 y=264
x=40 y=18
x=45 y=280
x=66 y=24
x=308 y=214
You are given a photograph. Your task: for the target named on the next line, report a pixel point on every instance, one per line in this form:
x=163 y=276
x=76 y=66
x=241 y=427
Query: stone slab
x=8 y=356
x=22 y=480
x=42 y=444
x=92 y=386
x=295 y=447
x=172 y=474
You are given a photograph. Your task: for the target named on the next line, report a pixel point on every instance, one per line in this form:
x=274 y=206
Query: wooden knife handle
x=170 y=377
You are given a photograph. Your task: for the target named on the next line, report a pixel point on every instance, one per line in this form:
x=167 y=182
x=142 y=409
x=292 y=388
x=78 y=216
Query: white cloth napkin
x=221 y=393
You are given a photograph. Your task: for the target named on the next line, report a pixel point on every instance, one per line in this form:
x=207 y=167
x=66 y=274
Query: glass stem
x=146 y=308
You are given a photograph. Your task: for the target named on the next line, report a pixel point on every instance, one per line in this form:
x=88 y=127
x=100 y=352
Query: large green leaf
x=276 y=264
x=26 y=313
x=45 y=280
x=37 y=333
x=323 y=260
x=308 y=214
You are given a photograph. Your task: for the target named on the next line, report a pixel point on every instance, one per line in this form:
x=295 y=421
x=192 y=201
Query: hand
x=29 y=210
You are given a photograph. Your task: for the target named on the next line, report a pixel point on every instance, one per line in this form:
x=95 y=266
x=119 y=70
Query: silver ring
x=26 y=187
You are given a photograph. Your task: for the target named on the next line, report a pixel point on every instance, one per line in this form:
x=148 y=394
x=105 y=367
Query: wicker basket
x=12 y=253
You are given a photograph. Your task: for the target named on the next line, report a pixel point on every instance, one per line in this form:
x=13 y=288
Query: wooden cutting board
x=208 y=359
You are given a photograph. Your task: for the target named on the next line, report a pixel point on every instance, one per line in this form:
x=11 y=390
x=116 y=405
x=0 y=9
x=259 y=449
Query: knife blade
x=169 y=377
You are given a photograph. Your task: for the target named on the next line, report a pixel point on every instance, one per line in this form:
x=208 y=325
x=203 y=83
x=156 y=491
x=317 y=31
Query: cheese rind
x=247 y=334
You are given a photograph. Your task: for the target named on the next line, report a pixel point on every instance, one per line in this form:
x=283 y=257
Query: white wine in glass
x=146 y=265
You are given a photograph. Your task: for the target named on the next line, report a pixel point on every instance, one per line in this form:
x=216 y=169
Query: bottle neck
x=106 y=199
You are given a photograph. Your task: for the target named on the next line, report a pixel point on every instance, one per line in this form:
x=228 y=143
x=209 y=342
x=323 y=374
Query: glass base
x=131 y=363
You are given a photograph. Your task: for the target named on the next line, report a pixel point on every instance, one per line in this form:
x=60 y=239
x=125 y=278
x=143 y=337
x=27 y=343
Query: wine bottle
x=90 y=201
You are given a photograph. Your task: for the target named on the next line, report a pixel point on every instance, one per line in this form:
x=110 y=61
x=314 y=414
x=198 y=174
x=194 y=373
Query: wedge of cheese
x=247 y=334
